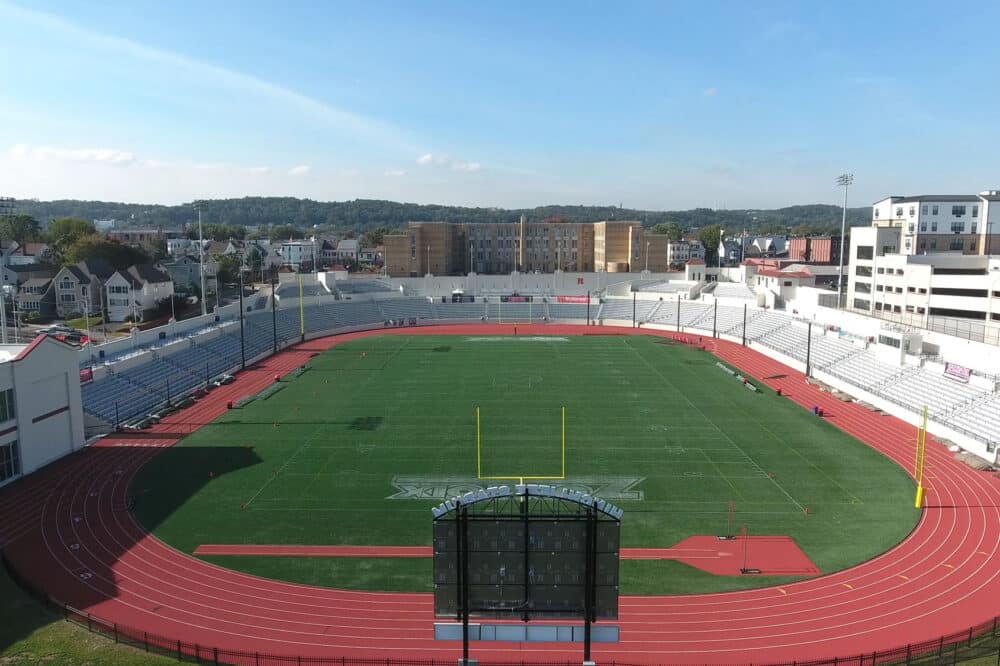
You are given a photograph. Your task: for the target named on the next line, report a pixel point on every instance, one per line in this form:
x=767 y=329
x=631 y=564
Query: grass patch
x=31 y=633
x=357 y=450
x=81 y=323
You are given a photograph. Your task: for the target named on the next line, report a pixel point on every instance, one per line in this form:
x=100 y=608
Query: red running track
x=65 y=530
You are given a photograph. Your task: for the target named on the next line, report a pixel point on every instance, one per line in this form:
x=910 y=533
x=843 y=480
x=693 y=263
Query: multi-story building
x=815 y=249
x=680 y=251
x=505 y=247
x=965 y=223
x=884 y=281
x=298 y=253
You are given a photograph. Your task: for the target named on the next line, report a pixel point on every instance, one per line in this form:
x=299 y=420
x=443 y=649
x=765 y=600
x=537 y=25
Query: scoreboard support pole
x=463 y=577
x=590 y=581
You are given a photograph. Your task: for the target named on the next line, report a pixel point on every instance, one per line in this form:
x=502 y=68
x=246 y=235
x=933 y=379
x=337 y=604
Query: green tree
x=285 y=231
x=21 y=228
x=97 y=247
x=229 y=268
x=671 y=230
x=65 y=231
x=374 y=237
x=710 y=237
x=218 y=232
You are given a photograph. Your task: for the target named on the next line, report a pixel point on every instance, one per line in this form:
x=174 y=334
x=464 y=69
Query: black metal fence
x=979 y=641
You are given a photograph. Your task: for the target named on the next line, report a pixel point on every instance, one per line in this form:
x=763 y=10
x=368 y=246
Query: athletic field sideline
x=356 y=449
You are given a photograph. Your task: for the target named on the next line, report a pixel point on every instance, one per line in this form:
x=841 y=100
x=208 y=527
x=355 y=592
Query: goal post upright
x=918 y=466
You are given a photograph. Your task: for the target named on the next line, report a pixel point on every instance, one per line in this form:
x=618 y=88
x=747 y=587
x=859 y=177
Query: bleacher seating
x=733 y=290
x=361 y=286
x=405 y=308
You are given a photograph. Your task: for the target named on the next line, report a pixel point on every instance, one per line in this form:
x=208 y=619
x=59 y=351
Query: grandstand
x=165 y=371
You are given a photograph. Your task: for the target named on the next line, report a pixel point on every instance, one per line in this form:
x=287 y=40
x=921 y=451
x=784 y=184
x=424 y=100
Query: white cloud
x=430 y=159
x=709 y=92
x=299 y=170
x=112 y=156
x=395 y=173
x=258 y=169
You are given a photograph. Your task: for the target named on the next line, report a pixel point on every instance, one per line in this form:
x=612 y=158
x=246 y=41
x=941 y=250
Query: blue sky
x=653 y=105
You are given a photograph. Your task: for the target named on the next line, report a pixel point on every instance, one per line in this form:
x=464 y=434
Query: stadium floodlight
x=844 y=180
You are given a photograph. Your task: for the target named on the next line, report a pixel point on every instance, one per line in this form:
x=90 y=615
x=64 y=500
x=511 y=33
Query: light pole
x=201 y=263
x=647 y=258
x=3 y=316
x=843 y=180
x=428 y=259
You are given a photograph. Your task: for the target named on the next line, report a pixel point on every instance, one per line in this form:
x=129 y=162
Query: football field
x=356 y=448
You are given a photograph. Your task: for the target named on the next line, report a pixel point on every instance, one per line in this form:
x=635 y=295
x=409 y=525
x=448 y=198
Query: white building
x=883 y=281
x=963 y=223
x=680 y=251
x=295 y=253
x=136 y=292
x=41 y=414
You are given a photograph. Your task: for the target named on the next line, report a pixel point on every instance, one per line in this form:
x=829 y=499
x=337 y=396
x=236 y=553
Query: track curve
x=67 y=530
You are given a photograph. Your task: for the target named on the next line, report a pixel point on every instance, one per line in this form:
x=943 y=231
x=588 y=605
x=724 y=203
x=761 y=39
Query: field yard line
x=719 y=471
x=721 y=432
x=281 y=469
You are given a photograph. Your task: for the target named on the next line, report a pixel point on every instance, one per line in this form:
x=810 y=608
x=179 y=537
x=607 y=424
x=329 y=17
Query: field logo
x=439 y=488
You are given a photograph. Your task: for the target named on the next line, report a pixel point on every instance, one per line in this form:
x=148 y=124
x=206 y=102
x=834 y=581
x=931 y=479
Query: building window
x=933 y=244
x=975 y=211
x=958 y=211
x=974 y=227
x=67 y=298
x=909 y=244
x=957 y=227
x=880 y=270
x=933 y=226
x=66 y=284
x=7 y=405
x=909 y=308
x=899 y=211
x=879 y=287
x=956 y=244
x=923 y=226
x=862 y=304
x=913 y=211
x=876 y=213
x=865 y=252
x=923 y=210
x=10 y=461
x=911 y=227
x=923 y=245
x=934 y=210
x=921 y=310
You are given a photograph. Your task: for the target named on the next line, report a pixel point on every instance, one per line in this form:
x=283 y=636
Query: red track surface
x=771 y=555
x=65 y=530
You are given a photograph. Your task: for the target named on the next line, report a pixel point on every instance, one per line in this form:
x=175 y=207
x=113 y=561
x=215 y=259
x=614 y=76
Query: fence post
x=256 y=658
x=970 y=636
x=954 y=653
x=145 y=640
x=909 y=652
x=215 y=656
x=994 y=626
x=116 y=631
x=178 y=650
x=941 y=647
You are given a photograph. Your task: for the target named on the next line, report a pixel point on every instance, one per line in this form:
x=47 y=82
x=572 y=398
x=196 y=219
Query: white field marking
x=517 y=338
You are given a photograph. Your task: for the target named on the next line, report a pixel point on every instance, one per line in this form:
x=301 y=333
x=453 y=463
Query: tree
x=97 y=247
x=218 y=232
x=375 y=237
x=21 y=228
x=229 y=268
x=710 y=237
x=65 y=231
x=671 y=230
x=285 y=231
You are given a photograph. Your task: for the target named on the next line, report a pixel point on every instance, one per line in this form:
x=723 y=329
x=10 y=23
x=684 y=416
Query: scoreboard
x=525 y=566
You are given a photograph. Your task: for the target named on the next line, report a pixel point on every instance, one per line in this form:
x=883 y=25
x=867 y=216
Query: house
x=29 y=253
x=18 y=274
x=184 y=271
x=137 y=292
x=80 y=286
x=328 y=252
x=37 y=296
x=347 y=250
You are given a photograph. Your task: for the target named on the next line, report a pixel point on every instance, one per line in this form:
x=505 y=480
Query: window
x=958 y=211
x=888 y=249
x=865 y=252
x=880 y=271
x=10 y=461
x=862 y=288
x=933 y=244
x=896 y=308
x=7 y=405
x=889 y=341
x=899 y=211
x=879 y=287
x=909 y=308
x=923 y=245
x=957 y=227
x=923 y=226
x=67 y=298
x=862 y=304
x=956 y=244
x=876 y=213
x=934 y=210
x=913 y=211
x=974 y=227
x=972 y=246
x=911 y=290
x=66 y=284
x=975 y=211
x=911 y=228
x=923 y=210
x=863 y=271
x=909 y=244
x=921 y=310
x=899 y=271
x=933 y=226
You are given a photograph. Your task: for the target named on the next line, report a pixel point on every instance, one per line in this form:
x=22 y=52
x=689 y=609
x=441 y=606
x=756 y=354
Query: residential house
x=137 y=292
x=18 y=274
x=184 y=271
x=347 y=250
x=37 y=296
x=30 y=253
x=80 y=286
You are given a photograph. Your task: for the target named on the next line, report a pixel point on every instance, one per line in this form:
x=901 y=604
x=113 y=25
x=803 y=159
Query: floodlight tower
x=844 y=180
x=201 y=260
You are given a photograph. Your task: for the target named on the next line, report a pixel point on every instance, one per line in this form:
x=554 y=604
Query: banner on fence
x=957 y=372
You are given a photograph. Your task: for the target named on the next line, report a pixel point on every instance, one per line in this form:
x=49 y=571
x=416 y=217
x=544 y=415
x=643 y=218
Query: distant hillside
x=363 y=214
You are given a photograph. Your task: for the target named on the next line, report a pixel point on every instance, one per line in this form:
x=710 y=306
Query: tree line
x=362 y=215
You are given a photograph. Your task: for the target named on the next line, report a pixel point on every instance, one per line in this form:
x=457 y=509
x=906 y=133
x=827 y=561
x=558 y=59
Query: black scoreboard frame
x=496 y=513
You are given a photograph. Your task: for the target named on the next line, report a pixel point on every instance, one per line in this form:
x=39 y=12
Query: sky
x=660 y=105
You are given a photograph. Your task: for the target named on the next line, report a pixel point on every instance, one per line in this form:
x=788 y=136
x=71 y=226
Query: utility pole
x=201 y=262
x=843 y=180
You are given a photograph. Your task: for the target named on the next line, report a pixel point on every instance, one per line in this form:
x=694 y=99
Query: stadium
x=257 y=486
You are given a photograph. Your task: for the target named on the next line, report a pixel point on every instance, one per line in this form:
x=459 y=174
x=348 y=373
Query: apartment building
x=492 y=248
x=882 y=280
x=930 y=223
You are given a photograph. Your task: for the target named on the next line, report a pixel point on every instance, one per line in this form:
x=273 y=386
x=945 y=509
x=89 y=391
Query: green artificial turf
x=663 y=417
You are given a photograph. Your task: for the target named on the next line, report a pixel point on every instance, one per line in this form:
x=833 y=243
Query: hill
x=364 y=214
